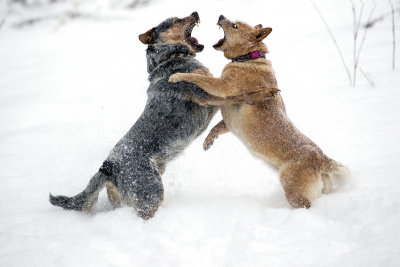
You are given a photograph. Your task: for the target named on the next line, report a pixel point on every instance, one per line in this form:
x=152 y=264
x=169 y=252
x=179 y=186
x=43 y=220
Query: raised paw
x=174 y=78
x=275 y=92
x=208 y=142
x=206 y=145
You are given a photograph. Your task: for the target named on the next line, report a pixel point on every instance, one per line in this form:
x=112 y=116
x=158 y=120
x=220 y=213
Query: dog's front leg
x=217 y=130
x=217 y=101
x=213 y=86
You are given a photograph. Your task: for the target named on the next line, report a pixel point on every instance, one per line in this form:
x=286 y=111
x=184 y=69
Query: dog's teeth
x=219 y=27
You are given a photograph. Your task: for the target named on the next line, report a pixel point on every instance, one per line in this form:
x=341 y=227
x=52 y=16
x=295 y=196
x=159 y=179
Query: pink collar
x=249 y=56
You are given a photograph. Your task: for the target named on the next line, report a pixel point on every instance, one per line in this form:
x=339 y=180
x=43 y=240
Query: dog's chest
x=234 y=116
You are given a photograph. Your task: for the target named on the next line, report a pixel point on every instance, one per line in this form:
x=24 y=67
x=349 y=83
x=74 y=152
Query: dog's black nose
x=221 y=18
x=196 y=15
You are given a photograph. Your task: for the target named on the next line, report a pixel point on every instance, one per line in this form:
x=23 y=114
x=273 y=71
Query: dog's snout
x=196 y=15
x=221 y=18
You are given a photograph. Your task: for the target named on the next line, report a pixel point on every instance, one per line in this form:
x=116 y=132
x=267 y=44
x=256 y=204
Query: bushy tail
x=85 y=200
x=340 y=170
x=336 y=169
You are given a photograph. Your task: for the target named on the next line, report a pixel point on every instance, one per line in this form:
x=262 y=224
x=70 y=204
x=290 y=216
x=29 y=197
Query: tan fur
x=113 y=195
x=237 y=79
x=244 y=39
x=215 y=100
x=176 y=33
x=92 y=201
x=264 y=126
x=217 y=130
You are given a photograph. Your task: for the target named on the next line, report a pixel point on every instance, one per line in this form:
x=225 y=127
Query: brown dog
x=263 y=125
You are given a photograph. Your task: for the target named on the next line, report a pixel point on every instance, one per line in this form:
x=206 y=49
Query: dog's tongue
x=194 y=40
x=220 y=42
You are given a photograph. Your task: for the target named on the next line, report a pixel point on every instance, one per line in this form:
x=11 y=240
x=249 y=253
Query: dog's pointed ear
x=260 y=34
x=257 y=27
x=147 y=37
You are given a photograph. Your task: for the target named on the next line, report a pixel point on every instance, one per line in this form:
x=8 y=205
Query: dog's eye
x=178 y=21
x=234 y=26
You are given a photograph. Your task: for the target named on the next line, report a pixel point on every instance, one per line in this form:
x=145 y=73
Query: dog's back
x=170 y=120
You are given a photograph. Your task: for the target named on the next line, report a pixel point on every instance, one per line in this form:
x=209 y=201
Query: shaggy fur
x=264 y=126
x=169 y=123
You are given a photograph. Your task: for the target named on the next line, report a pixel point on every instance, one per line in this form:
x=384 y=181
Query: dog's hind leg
x=333 y=169
x=161 y=164
x=327 y=183
x=113 y=194
x=141 y=187
x=85 y=200
x=301 y=184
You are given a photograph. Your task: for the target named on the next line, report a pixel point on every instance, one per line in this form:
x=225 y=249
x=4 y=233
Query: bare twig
x=334 y=41
x=394 y=35
x=368 y=76
x=365 y=33
x=135 y=3
x=379 y=19
x=357 y=55
x=3 y=12
x=28 y=22
x=66 y=15
x=357 y=18
x=356 y=29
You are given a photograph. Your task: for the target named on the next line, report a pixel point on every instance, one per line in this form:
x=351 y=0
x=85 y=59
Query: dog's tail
x=85 y=200
x=337 y=169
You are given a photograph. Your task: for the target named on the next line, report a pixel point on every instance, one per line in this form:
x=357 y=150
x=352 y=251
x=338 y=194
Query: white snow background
x=71 y=88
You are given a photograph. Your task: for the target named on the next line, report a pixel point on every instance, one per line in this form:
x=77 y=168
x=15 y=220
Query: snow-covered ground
x=70 y=89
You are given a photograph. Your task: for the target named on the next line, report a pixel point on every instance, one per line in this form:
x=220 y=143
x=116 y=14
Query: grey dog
x=170 y=121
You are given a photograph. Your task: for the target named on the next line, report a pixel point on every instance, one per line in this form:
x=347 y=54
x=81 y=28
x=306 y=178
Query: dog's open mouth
x=193 y=40
x=221 y=41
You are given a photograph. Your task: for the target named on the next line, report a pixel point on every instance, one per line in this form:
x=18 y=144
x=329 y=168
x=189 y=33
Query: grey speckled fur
x=168 y=124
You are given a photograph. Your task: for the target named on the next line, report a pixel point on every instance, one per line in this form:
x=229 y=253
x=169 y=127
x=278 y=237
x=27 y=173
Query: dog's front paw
x=174 y=78
x=208 y=142
x=206 y=145
x=275 y=92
